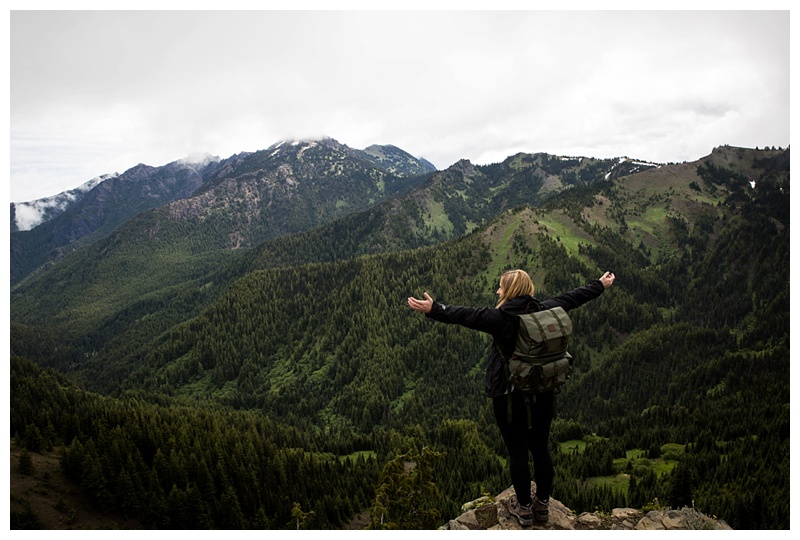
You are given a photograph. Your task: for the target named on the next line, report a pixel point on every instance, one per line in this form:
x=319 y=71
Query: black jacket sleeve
x=576 y=297
x=483 y=319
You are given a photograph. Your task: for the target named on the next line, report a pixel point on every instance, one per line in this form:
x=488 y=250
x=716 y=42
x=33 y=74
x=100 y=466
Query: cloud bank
x=99 y=92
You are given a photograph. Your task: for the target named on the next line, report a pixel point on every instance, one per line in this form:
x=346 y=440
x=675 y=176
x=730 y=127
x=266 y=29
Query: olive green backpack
x=540 y=362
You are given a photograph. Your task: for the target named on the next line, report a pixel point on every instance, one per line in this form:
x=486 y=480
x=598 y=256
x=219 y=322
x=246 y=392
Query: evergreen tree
x=406 y=496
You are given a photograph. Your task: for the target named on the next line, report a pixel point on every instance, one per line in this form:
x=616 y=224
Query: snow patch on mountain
x=638 y=164
x=28 y=215
x=296 y=145
x=198 y=160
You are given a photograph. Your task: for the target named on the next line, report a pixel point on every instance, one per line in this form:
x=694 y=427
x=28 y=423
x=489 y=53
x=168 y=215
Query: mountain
x=451 y=203
x=681 y=383
x=633 y=227
x=103 y=208
x=290 y=186
x=244 y=200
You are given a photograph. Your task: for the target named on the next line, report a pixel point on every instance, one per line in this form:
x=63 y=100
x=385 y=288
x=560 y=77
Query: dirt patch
x=46 y=499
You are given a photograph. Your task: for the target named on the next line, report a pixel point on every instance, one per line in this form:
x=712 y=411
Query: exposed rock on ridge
x=487 y=514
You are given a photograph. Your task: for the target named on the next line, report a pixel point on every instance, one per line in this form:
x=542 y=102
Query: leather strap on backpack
x=530 y=399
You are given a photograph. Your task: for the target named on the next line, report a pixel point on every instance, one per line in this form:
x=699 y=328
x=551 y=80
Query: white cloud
x=98 y=92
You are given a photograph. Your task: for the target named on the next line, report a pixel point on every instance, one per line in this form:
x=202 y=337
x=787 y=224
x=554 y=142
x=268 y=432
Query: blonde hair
x=515 y=283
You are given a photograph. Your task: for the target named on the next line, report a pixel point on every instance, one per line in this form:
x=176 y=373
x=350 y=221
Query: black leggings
x=520 y=440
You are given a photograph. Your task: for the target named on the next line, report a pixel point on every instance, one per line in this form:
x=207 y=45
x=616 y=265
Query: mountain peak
x=198 y=159
x=301 y=145
x=305 y=141
x=396 y=160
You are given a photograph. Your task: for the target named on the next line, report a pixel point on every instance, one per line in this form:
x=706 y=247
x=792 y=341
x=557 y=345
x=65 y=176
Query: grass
x=579 y=444
x=617 y=482
x=562 y=227
x=366 y=454
x=663 y=466
x=438 y=217
x=635 y=453
x=500 y=240
x=637 y=458
x=650 y=220
x=530 y=223
x=506 y=240
x=568 y=233
x=567 y=447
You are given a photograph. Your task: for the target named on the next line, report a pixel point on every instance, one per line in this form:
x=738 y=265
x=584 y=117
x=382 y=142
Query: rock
x=488 y=513
x=625 y=513
x=486 y=516
x=468 y=520
x=561 y=517
x=651 y=522
x=454 y=525
x=625 y=518
x=672 y=520
x=589 y=521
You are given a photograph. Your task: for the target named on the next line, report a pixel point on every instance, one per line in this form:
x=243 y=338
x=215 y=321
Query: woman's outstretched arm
x=484 y=319
x=577 y=297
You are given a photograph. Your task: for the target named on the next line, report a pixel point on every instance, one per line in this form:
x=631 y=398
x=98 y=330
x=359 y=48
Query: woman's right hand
x=423 y=306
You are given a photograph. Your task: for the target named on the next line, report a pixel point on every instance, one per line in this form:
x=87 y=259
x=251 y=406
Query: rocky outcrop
x=492 y=514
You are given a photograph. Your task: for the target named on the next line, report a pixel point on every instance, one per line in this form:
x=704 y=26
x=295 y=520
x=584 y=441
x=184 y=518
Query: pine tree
x=299 y=517
x=406 y=496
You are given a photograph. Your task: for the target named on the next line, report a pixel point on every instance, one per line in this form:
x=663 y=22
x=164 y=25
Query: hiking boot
x=540 y=509
x=524 y=514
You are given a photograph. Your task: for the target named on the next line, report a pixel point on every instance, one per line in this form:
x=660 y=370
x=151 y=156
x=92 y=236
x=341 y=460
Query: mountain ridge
x=310 y=329
x=110 y=204
x=236 y=194
x=102 y=210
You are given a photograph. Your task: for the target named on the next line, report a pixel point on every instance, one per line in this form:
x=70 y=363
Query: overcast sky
x=95 y=92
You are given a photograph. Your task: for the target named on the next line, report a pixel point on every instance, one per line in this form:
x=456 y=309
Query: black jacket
x=502 y=325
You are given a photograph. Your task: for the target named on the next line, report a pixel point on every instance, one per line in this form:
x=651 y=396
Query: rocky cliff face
x=492 y=514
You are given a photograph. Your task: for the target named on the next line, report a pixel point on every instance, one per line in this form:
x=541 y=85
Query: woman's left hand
x=607 y=279
x=423 y=306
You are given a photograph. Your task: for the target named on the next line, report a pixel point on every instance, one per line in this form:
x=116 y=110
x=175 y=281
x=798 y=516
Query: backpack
x=540 y=362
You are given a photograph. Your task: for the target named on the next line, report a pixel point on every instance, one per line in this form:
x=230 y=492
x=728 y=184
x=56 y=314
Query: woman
x=516 y=297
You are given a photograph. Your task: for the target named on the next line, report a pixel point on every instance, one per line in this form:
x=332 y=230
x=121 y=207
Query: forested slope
x=112 y=298
x=681 y=391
